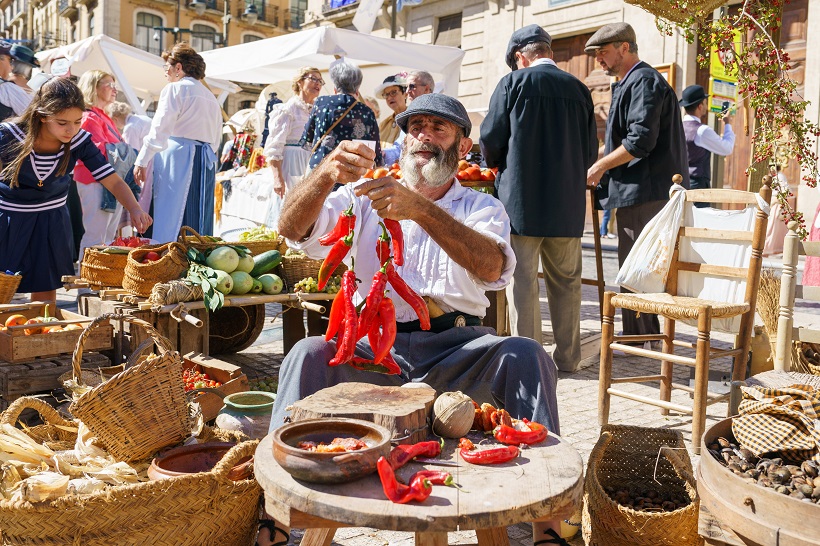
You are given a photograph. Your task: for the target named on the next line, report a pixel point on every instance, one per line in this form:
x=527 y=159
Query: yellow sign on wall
x=719 y=59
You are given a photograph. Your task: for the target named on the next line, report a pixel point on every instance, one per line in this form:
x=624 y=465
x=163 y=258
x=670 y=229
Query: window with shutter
x=448 y=32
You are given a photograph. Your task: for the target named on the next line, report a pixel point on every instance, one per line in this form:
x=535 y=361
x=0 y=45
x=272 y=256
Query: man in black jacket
x=645 y=146
x=540 y=133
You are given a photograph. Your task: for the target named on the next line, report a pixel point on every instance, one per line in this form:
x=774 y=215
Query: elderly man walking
x=645 y=146
x=540 y=133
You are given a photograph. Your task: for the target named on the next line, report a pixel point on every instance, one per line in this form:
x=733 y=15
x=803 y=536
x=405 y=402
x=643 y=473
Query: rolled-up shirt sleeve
x=493 y=222
x=643 y=119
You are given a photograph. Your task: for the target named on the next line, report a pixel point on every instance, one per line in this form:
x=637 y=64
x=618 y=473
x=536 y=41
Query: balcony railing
x=333 y=5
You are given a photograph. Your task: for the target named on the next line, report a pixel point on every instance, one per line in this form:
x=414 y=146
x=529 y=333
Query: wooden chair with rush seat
x=712 y=283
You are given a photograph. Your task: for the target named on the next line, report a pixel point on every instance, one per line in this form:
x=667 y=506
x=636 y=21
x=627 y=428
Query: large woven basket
x=665 y=9
x=296 y=267
x=190 y=510
x=258 y=247
x=189 y=237
x=8 y=286
x=140 y=278
x=103 y=268
x=636 y=459
x=140 y=410
x=801 y=362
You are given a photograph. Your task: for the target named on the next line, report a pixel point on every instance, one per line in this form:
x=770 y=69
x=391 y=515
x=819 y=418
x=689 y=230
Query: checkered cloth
x=782 y=420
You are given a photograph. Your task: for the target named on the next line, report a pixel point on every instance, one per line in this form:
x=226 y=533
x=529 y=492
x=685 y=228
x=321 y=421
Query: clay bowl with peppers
x=315 y=467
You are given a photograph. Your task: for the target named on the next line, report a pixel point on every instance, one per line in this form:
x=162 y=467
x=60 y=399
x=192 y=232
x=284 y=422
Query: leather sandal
x=555 y=538
x=270 y=525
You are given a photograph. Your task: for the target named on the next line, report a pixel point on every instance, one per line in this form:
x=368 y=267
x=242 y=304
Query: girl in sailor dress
x=38 y=151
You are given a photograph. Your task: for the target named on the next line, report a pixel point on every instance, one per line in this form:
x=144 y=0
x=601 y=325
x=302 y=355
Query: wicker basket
x=663 y=8
x=190 y=510
x=190 y=238
x=800 y=362
x=297 y=267
x=100 y=268
x=258 y=247
x=140 y=278
x=8 y=286
x=634 y=459
x=138 y=411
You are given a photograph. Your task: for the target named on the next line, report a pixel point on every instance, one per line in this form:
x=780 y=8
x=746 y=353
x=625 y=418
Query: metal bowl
x=315 y=467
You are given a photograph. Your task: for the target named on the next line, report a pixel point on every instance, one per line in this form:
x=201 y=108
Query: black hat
x=523 y=36
x=392 y=81
x=436 y=104
x=23 y=54
x=692 y=95
x=613 y=32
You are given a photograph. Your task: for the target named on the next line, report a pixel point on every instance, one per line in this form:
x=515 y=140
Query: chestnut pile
x=801 y=482
x=648 y=500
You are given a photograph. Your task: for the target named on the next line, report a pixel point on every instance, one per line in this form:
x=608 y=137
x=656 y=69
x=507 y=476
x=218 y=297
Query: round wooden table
x=544 y=483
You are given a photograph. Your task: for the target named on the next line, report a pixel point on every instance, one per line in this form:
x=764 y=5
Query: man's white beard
x=438 y=171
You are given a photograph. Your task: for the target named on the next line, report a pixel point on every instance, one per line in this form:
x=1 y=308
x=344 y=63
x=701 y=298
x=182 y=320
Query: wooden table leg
x=431 y=539
x=494 y=536
x=293 y=327
x=321 y=537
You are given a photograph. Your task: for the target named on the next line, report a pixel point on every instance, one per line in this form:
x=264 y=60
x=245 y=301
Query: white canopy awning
x=139 y=73
x=275 y=59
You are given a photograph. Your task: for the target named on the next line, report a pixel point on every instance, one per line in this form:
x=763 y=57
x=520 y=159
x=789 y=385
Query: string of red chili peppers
x=378 y=316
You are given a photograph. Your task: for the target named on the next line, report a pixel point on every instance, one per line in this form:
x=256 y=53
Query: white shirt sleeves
x=161 y=126
x=15 y=97
x=279 y=122
x=708 y=139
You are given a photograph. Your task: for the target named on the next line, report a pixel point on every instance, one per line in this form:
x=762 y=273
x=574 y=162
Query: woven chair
x=689 y=285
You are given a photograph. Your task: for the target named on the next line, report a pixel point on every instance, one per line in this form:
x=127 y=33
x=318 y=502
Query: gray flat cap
x=523 y=36
x=436 y=104
x=613 y=32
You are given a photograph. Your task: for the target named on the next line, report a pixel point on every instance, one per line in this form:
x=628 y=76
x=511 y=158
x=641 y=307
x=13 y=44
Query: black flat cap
x=436 y=104
x=692 y=95
x=523 y=36
x=613 y=32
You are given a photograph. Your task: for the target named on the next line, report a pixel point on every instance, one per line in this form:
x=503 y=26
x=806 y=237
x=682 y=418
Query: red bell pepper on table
x=409 y=295
x=509 y=435
x=334 y=258
x=436 y=477
x=418 y=490
x=344 y=227
x=404 y=453
x=489 y=456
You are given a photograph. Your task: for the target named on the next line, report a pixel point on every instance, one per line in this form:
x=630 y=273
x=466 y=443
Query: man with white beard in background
x=457 y=246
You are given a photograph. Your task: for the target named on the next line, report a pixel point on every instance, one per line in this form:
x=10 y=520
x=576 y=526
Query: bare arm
x=475 y=252
x=347 y=163
x=616 y=157
x=139 y=218
x=278 y=179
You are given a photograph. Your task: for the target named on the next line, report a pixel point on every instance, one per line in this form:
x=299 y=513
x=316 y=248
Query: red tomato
x=151 y=256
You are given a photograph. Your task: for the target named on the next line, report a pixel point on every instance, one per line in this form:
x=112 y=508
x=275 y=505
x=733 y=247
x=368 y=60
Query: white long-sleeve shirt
x=708 y=139
x=14 y=96
x=186 y=109
x=285 y=126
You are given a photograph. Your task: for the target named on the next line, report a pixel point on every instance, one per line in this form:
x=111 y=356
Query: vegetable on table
x=404 y=453
x=418 y=490
x=265 y=262
x=489 y=456
x=436 y=477
x=510 y=435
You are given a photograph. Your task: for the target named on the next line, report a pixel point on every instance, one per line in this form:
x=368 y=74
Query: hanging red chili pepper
x=346 y=347
x=409 y=295
x=337 y=315
x=374 y=298
x=509 y=435
x=344 y=226
x=436 y=477
x=387 y=321
x=404 y=453
x=418 y=490
x=394 y=227
x=385 y=367
x=333 y=259
x=383 y=245
x=489 y=456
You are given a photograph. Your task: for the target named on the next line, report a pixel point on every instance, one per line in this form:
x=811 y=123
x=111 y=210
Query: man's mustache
x=428 y=147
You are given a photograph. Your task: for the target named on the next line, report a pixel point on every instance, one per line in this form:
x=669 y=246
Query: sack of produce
x=76 y=493
x=150 y=265
x=140 y=410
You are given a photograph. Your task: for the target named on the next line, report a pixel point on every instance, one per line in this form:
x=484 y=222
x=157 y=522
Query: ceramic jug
x=247 y=412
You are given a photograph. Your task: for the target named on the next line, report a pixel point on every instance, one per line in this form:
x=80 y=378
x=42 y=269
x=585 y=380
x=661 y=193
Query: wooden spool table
x=544 y=483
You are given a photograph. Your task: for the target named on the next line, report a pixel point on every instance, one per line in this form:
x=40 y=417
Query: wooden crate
x=41 y=375
x=16 y=346
x=232 y=378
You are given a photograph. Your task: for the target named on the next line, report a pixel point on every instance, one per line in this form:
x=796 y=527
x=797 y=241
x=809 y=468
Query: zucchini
x=265 y=262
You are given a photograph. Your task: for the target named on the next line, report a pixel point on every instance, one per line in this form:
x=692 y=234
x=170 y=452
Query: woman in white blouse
x=185 y=134
x=286 y=123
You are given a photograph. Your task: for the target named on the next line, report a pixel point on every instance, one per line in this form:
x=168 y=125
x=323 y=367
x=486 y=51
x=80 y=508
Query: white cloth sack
x=647 y=265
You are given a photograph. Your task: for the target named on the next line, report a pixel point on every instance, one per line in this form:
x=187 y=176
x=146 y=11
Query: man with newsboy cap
x=701 y=140
x=456 y=247
x=540 y=132
x=644 y=146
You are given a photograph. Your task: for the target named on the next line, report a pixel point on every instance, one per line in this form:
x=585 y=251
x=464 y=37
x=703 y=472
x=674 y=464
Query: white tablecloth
x=249 y=202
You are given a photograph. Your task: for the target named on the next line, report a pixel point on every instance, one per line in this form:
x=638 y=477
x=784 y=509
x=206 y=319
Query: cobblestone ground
x=577 y=393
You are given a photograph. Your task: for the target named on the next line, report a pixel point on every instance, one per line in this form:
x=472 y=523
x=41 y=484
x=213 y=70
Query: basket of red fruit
x=104 y=265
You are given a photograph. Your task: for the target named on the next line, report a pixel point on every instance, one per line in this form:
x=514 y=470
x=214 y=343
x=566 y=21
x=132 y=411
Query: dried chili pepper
x=418 y=490
x=394 y=227
x=337 y=315
x=374 y=298
x=489 y=456
x=346 y=347
x=509 y=435
x=383 y=245
x=334 y=258
x=387 y=321
x=404 y=453
x=344 y=226
x=409 y=295
x=436 y=477
x=386 y=367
